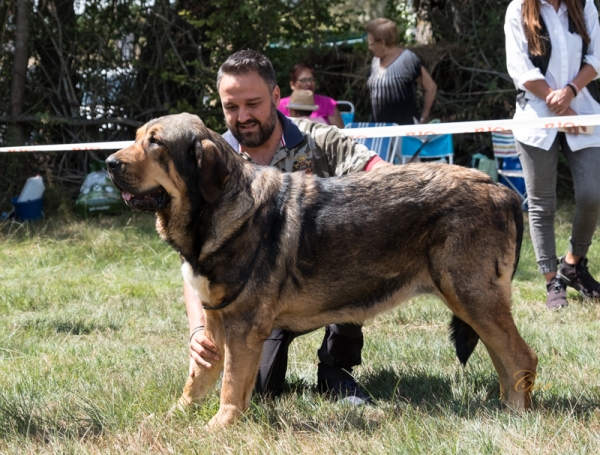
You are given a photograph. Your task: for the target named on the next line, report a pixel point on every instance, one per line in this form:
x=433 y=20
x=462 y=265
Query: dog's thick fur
x=274 y=249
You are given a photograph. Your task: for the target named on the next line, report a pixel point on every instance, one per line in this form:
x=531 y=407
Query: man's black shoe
x=339 y=385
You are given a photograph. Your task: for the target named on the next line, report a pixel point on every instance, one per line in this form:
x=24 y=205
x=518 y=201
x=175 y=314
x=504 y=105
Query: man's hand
x=201 y=349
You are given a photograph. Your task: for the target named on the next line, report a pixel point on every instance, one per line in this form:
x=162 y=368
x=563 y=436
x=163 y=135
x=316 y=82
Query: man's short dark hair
x=245 y=62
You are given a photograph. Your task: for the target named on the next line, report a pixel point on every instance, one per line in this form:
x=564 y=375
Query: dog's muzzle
x=153 y=200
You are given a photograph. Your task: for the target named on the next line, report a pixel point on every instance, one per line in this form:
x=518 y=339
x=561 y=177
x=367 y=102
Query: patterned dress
x=393 y=89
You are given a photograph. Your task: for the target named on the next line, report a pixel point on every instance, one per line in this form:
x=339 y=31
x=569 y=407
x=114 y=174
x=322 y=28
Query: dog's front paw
x=181 y=406
x=226 y=416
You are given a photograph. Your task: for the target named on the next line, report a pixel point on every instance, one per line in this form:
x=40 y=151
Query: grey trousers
x=540 y=171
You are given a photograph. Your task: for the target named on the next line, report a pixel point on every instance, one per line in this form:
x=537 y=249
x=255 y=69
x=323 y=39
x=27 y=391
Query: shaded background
x=73 y=71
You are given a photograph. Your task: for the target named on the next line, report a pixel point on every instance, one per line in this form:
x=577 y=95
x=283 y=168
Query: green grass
x=93 y=354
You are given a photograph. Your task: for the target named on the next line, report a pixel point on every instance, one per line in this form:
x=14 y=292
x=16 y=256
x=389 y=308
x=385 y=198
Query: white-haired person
x=394 y=77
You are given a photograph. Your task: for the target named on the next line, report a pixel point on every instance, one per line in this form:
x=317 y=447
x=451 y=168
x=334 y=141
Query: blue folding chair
x=437 y=146
x=346 y=109
x=385 y=147
x=508 y=164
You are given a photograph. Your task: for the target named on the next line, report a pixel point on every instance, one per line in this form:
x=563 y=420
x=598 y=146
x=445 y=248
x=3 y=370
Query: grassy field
x=93 y=354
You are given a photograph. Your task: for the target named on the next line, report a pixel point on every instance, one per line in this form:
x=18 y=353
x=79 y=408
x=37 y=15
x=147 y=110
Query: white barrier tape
x=69 y=147
x=478 y=126
x=482 y=126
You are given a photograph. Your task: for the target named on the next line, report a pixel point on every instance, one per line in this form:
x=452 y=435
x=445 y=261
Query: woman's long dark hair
x=532 y=26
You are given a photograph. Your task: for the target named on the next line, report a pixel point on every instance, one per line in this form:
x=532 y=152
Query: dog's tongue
x=126 y=195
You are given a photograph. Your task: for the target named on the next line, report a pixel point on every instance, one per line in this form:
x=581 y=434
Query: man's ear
x=276 y=96
x=212 y=170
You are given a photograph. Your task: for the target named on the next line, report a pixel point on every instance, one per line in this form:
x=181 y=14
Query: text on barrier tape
x=426 y=129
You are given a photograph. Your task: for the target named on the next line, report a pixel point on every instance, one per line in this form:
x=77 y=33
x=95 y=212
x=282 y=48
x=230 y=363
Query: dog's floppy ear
x=212 y=170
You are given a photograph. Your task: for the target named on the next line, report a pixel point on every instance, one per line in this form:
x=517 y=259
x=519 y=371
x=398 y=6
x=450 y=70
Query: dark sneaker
x=339 y=385
x=557 y=294
x=579 y=278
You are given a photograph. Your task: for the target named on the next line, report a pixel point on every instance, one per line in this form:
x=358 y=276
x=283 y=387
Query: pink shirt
x=326 y=107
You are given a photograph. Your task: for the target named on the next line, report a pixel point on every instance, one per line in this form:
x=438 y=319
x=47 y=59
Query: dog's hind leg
x=201 y=380
x=488 y=313
x=242 y=357
x=502 y=373
x=465 y=340
x=479 y=293
x=486 y=309
x=515 y=361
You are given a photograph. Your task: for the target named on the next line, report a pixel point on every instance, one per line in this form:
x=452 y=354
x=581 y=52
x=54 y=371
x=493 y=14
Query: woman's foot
x=556 y=294
x=578 y=277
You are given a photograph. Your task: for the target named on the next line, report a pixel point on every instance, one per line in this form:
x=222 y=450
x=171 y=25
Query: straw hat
x=302 y=100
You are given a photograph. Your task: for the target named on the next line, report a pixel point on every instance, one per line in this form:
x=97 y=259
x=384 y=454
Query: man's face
x=250 y=108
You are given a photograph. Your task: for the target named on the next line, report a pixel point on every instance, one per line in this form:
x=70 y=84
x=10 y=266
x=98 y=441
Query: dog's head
x=171 y=157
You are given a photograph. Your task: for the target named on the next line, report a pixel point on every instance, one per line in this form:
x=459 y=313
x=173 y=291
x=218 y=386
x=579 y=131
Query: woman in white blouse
x=553 y=53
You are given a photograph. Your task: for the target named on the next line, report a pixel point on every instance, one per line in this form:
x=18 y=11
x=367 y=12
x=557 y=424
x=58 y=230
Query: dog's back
x=359 y=240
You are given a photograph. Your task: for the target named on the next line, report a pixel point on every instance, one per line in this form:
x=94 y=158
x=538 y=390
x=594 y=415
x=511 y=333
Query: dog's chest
x=199 y=283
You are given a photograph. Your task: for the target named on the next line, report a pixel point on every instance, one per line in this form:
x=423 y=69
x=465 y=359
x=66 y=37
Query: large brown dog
x=267 y=249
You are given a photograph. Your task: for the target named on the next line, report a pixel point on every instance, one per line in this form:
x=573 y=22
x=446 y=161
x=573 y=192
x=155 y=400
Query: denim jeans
x=540 y=169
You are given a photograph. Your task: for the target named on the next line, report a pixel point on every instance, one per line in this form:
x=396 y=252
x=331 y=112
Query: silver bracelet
x=196 y=330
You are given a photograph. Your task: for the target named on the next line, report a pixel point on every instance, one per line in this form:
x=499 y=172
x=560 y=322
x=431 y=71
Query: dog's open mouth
x=151 y=201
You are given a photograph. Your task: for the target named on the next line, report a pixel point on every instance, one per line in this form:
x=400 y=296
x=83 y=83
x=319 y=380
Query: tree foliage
x=97 y=73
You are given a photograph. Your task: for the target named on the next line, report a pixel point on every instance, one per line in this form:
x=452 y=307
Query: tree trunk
x=19 y=72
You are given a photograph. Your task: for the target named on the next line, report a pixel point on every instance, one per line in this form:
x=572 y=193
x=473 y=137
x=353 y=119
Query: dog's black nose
x=113 y=163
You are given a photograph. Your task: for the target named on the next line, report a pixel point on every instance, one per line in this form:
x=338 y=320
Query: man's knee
x=342 y=346
x=347 y=330
x=273 y=363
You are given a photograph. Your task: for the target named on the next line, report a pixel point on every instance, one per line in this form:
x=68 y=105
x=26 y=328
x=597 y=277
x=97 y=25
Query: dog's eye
x=153 y=140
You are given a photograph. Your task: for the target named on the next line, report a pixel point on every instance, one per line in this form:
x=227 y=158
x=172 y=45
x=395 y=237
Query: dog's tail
x=464 y=337
x=518 y=217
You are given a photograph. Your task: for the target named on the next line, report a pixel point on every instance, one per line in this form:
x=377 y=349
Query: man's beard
x=258 y=138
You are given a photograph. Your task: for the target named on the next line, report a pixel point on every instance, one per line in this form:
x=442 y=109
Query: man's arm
x=375 y=163
x=380 y=163
x=201 y=348
x=344 y=155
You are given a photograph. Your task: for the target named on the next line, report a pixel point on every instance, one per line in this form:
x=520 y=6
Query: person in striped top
x=394 y=77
